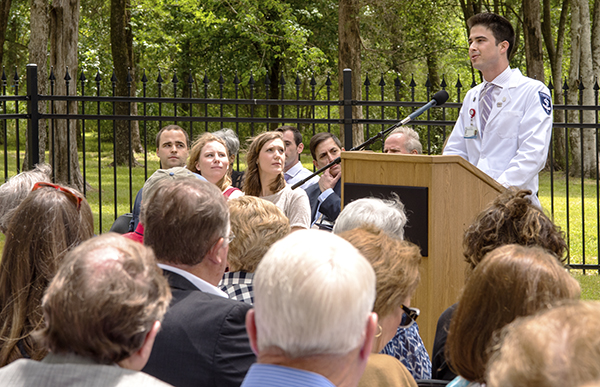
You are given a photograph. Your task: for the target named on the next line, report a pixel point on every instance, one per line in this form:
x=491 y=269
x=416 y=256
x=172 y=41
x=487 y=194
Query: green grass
x=581 y=227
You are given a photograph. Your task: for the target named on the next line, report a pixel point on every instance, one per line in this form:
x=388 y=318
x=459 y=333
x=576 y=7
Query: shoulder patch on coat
x=546 y=102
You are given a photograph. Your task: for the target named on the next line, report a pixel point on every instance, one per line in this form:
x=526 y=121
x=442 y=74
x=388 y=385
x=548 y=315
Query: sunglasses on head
x=76 y=200
x=410 y=316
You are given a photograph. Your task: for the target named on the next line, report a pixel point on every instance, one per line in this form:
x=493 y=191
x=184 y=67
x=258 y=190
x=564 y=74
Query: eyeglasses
x=411 y=315
x=230 y=237
x=76 y=200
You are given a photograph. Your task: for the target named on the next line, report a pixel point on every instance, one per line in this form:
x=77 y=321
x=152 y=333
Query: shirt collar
x=293 y=171
x=196 y=281
x=502 y=79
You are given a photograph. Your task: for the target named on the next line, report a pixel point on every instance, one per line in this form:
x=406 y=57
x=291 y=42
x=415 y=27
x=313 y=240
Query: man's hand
x=327 y=180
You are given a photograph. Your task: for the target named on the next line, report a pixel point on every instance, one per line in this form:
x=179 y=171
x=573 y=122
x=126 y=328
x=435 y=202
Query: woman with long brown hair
x=265 y=160
x=48 y=223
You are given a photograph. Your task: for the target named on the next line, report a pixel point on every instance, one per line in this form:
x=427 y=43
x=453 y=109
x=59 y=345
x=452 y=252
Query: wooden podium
x=442 y=196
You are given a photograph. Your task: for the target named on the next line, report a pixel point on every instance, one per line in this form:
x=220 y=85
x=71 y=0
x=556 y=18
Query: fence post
x=33 y=124
x=347 y=108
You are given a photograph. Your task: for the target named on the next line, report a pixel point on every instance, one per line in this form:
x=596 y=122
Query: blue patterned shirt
x=270 y=375
x=407 y=346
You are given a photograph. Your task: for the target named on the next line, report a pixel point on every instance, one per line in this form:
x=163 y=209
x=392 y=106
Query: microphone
x=439 y=98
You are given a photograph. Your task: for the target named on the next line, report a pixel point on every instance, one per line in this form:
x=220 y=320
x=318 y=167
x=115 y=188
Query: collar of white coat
x=504 y=79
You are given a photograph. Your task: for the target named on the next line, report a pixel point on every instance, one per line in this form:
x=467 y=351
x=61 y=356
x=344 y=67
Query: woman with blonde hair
x=256 y=224
x=510 y=282
x=209 y=157
x=265 y=160
x=396 y=265
x=51 y=221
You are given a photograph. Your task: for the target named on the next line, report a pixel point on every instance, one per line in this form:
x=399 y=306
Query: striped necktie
x=485 y=104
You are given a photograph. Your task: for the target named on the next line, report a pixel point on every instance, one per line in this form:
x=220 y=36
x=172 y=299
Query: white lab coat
x=515 y=142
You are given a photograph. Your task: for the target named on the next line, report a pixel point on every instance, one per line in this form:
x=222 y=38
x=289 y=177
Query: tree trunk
x=121 y=38
x=4 y=13
x=349 y=56
x=582 y=141
x=532 y=31
x=470 y=8
x=274 y=76
x=596 y=38
x=555 y=55
x=38 y=54
x=64 y=34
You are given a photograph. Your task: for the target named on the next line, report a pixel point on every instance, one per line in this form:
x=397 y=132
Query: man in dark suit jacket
x=325 y=197
x=203 y=341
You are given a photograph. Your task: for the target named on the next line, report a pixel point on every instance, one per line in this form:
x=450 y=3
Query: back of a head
x=16 y=189
x=387 y=215
x=184 y=219
x=45 y=226
x=510 y=282
x=396 y=265
x=256 y=224
x=120 y=293
x=555 y=348
x=313 y=294
x=511 y=219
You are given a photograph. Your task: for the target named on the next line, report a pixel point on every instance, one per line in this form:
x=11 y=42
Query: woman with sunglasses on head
x=209 y=157
x=49 y=222
x=396 y=265
x=265 y=160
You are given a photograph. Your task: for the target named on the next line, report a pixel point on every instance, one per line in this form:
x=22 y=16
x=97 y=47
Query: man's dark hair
x=297 y=134
x=319 y=138
x=499 y=25
x=184 y=219
x=169 y=128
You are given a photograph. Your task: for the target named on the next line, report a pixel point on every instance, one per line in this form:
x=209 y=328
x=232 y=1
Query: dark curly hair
x=512 y=219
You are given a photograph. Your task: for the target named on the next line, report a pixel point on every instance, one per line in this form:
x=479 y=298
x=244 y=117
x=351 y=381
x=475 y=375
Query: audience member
x=264 y=178
x=396 y=265
x=510 y=282
x=209 y=157
x=97 y=337
x=172 y=148
x=326 y=197
x=233 y=147
x=510 y=219
x=256 y=224
x=16 y=189
x=389 y=216
x=44 y=227
x=312 y=323
x=203 y=341
x=403 y=140
x=555 y=348
x=293 y=170
x=175 y=173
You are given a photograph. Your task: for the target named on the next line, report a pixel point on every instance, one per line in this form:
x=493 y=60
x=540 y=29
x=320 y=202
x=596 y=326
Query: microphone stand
x=439 y=99
x=338 y=160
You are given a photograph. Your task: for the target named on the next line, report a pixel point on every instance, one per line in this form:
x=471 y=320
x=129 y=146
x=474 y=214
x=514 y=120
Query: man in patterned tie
x=505 y=123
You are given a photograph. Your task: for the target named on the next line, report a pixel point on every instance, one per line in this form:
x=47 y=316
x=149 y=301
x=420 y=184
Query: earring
x=380 y=331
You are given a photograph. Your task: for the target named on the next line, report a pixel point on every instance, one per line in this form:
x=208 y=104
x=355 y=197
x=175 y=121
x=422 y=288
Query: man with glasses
x=203 y=341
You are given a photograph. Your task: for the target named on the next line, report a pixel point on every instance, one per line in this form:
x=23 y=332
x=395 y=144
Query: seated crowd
x=223 y=285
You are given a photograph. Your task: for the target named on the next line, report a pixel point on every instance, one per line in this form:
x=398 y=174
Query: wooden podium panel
x=457 y=191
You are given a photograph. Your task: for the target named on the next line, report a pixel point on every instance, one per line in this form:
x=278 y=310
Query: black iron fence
x=248 y=107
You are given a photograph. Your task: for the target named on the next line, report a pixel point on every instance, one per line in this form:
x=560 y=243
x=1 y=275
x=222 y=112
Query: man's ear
x=138 y=360
x=504 y=46
x=251 y=329
x=300 y=148
x=343 y=149
x=214 y=253
x=315 y=164
x=370 y=332
x=414 y=152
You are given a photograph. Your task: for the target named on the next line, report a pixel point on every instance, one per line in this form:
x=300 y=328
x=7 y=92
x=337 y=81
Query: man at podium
x=505 y=122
